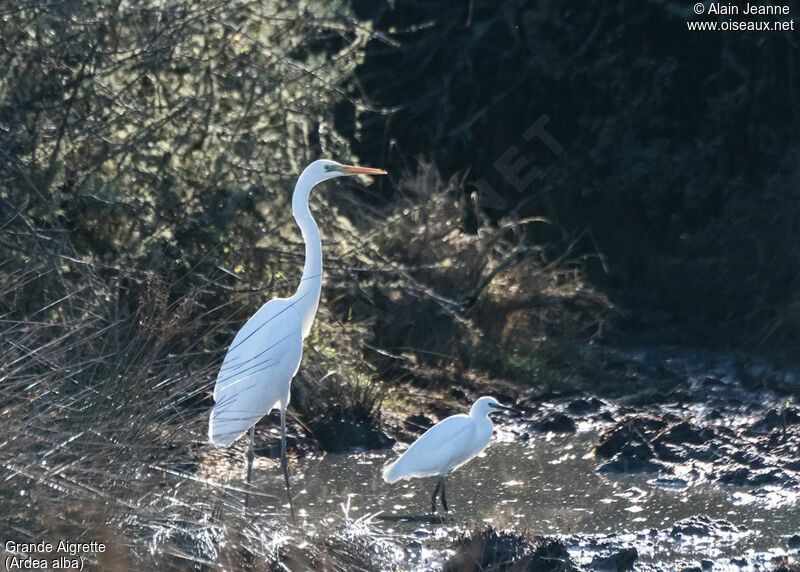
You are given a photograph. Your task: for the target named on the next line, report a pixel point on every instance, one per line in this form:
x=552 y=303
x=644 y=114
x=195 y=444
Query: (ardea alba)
x=257 y=371
x=446 y=446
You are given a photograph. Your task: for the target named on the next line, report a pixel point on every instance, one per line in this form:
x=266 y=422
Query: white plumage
x=254 y=377
x=257 y=371
x=446 y=446
x=442 y=448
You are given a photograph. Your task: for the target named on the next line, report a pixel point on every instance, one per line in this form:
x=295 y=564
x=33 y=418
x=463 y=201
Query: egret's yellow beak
x=355 y=170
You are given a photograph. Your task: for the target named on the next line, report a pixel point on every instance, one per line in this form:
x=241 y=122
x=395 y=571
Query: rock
x=706 y=453
x=612 y=442
x=584 y=406
x=618 y=561
x=685 y=432
x=606 y=416
x=631 y=430
x=749 y=458
x=707 y=564
x=555 y=423
x=767 y=477
x=492 y=550
x=736 y=476
x=626 y=446
x=702 y=526
x=650 y=442
x=637 y=451
x=671 y=453
x=776 y=420
x=794 y=541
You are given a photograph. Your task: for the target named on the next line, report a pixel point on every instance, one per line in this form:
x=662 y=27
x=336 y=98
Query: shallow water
x=546 y=485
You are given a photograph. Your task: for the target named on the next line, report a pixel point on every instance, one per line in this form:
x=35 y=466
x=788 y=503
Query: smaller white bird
x=446 y=446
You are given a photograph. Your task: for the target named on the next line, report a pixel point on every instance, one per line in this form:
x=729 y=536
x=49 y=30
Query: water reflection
x=545 y=486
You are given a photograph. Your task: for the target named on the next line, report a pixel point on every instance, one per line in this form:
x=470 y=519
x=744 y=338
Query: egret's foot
x=251 y=456
x=284 y=462
x=439 y=484
x=285 y=469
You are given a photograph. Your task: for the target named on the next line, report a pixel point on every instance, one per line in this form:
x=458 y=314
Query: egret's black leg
x=435 y=492
x=251 y=455
x=444 y=497
x=284 y=463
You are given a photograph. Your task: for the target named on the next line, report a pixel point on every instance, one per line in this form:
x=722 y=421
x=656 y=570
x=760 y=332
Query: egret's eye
x=328 y=167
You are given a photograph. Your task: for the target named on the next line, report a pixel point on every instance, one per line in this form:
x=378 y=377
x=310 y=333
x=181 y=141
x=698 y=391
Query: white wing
x=257 y=370
x=441 y=448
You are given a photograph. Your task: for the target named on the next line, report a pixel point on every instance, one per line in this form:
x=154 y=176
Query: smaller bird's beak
x=355 y=170
x=507 y=408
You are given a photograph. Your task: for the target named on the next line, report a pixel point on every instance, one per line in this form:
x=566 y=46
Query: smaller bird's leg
x=251 y=455
x=436 y=492
x=444 y=497
x=284 y=463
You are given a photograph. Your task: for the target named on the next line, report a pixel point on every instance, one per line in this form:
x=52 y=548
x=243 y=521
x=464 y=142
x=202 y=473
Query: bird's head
x=324 y=169
x=486 y=405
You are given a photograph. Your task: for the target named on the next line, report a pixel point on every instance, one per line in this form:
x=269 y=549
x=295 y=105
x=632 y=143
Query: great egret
x=446 y=446
x=257 y=371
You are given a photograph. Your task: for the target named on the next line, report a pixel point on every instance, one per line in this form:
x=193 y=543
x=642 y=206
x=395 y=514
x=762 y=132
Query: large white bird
x=257 y=371
x=446 y=446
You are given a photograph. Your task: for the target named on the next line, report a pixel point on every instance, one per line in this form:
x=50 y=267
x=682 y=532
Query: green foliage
x=165 y=138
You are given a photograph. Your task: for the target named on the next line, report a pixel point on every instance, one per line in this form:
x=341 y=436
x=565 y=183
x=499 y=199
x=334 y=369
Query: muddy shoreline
x=699 y=424
x=695 y=467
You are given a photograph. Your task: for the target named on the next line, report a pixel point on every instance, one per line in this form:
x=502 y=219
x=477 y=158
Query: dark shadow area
x=665 y=156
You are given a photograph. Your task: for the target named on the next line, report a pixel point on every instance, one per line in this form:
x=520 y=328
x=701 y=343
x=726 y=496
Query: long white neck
x=307 y=295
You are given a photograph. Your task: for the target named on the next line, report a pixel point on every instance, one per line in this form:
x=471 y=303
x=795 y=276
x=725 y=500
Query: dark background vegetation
x=148 y=151
x=679 y=170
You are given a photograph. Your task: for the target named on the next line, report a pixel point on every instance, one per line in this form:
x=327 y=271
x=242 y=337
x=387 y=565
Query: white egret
x=446 y=446
x=257 y=371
